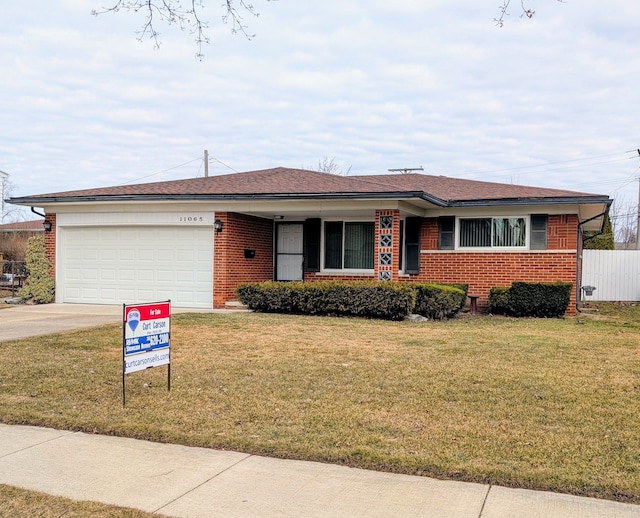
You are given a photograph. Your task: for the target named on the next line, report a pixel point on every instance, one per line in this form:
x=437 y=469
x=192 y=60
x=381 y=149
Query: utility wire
x=558 y=162
x=163 y=171
x=213 y=159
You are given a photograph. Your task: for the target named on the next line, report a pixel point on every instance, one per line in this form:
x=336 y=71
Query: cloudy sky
x=551 y=101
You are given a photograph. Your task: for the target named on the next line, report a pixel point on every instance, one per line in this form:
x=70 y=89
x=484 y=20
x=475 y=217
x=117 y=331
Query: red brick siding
x=50 y=245
x=484 y=270
x=395 y=233
x=481 y=270
x=230 y=267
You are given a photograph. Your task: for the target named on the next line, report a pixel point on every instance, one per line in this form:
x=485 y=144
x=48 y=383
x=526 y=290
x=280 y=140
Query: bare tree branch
x=172 y=12
x=504 y=11
x=330 y=166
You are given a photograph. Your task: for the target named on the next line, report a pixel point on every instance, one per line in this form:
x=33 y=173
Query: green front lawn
x=546 y=404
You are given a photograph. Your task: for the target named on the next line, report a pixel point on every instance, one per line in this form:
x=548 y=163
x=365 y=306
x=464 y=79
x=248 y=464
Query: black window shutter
x=538 y=239
x=412 y=245
x=446 y=232
x=311 y=240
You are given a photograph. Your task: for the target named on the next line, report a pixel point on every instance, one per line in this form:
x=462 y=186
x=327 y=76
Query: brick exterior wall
x=50 y=245
x=481 y=270
x=484 y=270
x=230 y=267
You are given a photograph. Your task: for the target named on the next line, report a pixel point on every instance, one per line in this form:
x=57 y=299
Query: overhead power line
x=163 y=171
x=547 y=164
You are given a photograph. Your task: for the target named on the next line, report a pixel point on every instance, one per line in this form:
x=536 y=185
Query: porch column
x=387 y=245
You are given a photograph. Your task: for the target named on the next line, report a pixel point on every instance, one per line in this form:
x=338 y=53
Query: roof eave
x=41 y=200
x=510 y=202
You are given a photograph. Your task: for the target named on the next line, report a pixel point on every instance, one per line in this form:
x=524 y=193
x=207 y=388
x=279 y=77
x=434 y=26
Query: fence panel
x=614 y=273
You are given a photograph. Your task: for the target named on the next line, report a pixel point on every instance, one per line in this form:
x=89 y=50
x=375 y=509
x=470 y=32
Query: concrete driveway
x=23 y=321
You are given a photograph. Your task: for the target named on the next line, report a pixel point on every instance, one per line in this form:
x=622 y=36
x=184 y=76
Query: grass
x=545 y=404
x=21 y=502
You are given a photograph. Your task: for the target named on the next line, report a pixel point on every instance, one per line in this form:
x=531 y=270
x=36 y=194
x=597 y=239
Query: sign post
x=146 y=337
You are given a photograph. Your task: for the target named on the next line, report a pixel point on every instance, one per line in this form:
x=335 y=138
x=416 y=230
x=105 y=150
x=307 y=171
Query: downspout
x=579 y=243
x=38 y=213
x=578 y=267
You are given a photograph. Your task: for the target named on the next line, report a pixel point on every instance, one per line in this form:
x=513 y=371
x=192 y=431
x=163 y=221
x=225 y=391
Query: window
x=492 y=233
x=538 y=232
x=311 y=244
x=410 y=245
x=446 y=232
x=348 y=245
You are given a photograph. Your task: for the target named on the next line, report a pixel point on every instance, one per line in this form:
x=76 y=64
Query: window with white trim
x=349 y=245
x=492 y=232
x=517 y=232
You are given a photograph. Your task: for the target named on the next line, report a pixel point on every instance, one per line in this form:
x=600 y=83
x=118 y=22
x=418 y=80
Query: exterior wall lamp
x=217 y=226
x=47 y=225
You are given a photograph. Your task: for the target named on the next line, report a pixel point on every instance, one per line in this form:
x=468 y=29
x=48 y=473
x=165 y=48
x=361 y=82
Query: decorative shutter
x=446 y=232
x=412 y=245
x=311 y=240
x=539 y=225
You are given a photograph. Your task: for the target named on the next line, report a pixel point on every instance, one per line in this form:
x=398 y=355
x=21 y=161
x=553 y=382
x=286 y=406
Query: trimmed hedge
x=528 y=299
x=438 y=301
x=385 y=300
x=498 y=300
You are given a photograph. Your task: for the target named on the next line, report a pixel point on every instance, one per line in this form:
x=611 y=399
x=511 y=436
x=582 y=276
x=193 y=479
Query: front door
x=289 y=252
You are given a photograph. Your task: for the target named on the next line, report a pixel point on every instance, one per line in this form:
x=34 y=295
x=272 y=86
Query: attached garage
x=115 y=264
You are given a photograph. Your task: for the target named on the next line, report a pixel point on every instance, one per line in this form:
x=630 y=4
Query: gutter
x=229 y=197
x=307 y=196
x=580 y=200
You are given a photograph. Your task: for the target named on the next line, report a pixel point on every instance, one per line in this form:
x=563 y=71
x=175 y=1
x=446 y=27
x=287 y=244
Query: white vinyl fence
x=614 y=273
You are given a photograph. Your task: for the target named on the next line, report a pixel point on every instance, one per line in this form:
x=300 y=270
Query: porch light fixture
x=47 y=225
x=217 y=225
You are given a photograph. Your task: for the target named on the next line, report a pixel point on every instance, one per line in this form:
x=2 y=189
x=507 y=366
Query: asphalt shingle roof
x=292 y=183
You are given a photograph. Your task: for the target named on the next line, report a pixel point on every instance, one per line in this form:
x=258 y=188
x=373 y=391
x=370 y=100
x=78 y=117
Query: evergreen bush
x=392 y=301
x=498 y=300
x=39 y=286
x=385 y=300
x=438 y=301
x=531 y=299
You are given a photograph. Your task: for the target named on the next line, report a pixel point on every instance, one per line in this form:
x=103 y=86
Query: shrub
x=437 y=301
x=498 y=300
x=386 y=300
x=529 y=299
x=39 y=286
x=539 y=299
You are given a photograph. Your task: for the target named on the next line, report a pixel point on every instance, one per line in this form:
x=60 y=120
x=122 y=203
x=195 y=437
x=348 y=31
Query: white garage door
x=128 y=265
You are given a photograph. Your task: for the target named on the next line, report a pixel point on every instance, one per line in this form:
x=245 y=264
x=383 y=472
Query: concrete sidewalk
x=197 y=482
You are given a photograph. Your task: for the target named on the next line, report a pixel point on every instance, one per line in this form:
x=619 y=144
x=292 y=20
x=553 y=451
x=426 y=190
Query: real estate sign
x=146 y=335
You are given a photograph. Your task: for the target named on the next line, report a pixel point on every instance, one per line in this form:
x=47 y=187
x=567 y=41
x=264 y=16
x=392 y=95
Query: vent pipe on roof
x=206 y=163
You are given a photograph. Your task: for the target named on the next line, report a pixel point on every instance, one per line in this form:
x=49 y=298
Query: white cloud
x=373 y=84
